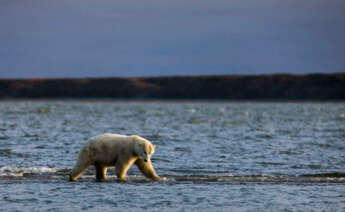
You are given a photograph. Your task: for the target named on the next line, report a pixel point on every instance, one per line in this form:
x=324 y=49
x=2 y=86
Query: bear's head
x=143 y=148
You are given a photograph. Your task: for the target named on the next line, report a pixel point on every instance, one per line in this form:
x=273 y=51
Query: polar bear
x=121 y=151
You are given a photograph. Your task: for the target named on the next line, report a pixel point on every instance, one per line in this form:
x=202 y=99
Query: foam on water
x=23 y=171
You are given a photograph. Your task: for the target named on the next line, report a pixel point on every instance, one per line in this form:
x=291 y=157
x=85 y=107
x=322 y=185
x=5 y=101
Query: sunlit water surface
x=214 y=156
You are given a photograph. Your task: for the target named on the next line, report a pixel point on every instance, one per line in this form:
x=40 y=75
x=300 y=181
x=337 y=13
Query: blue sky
x=106 y=38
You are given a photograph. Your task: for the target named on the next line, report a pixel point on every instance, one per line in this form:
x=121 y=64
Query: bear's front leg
x=147 y=169
x=80 y=167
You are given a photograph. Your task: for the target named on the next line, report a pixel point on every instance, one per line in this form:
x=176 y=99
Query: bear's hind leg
x=104 y=173
x=101 y=172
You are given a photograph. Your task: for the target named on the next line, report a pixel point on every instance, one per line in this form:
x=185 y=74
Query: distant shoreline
x=240 y=88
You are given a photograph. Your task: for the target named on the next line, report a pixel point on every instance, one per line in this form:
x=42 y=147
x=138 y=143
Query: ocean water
x=218 y=156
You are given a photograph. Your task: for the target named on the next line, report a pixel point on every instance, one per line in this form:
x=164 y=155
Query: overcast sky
x=101 y=38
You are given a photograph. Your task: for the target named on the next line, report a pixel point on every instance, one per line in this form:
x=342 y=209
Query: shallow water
x=214 y=156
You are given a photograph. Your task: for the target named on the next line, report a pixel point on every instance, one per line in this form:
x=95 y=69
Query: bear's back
x=108 y=140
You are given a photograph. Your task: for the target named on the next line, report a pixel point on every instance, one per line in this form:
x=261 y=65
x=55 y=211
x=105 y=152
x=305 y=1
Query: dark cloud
x=78 y=38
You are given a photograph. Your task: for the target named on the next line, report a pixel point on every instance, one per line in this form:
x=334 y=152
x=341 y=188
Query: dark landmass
x=276 y=87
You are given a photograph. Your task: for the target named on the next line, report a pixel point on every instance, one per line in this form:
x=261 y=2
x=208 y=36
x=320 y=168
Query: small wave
x=327 y=175
x=9 y=153
x=341 y=117
x=25 y=171
x=317 y=178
